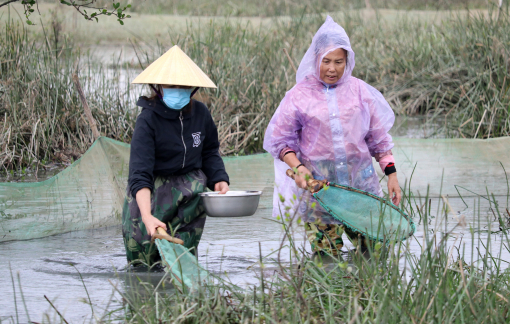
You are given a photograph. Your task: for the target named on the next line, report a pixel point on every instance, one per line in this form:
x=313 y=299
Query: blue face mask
x=176 y=98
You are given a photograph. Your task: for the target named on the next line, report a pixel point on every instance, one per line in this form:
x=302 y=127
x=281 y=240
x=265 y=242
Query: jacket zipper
x=182 y=138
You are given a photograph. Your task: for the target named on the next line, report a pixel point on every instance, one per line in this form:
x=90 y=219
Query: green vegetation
x=41 y=116
x=455 y=71
x=440 y=290
x=386 y=285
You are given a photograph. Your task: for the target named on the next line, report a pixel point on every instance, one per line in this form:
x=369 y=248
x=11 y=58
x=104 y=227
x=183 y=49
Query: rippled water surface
x=52 y=266
x=61 y=266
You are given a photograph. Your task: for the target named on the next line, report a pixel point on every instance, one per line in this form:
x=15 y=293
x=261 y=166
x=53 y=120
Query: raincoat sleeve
x=381 y=120
x=142 y=157
x=212 y=163
x=283 y=129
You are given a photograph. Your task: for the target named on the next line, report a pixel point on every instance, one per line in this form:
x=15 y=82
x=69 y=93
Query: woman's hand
x=300 y=177
x=394 y=189
x=151 y=223
x=222 y=187
x=143 y=199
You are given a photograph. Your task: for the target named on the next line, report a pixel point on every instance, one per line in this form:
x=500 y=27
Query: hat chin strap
x=194 y=91
x=157 y=91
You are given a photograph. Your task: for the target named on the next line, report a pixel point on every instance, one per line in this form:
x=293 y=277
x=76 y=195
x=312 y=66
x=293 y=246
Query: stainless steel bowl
x=231 y=204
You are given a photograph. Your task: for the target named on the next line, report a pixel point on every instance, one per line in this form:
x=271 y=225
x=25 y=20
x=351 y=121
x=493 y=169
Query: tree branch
x=117 y=11
x=6 y=3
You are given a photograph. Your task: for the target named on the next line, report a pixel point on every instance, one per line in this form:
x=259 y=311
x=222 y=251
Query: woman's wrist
x=146 y=216
x=392 y=175
x=284 y=152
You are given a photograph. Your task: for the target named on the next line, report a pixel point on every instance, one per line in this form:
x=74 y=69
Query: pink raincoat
x=335 y=129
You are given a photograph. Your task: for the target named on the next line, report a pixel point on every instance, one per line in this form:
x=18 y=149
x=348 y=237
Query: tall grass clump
x=41 y=117
x=457 y=73
x=389 y=284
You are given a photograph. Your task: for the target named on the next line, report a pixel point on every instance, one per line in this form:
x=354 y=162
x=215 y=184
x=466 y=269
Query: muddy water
x=52 y=266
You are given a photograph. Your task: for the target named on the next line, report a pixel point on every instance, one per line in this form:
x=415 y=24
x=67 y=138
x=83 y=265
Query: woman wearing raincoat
x=329 y=126
x=174 y=157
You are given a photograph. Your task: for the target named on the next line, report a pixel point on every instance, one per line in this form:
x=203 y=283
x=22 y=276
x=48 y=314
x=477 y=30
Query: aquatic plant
x=455 y=71
x=41 y=117
x=387 y=285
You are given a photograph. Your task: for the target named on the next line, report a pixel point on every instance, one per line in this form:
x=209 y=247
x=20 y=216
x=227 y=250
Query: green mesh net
x=88 y=194
x=182 y=264
x=366 y=213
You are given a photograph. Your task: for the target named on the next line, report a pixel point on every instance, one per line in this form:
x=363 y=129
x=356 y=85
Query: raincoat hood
x=328 y=38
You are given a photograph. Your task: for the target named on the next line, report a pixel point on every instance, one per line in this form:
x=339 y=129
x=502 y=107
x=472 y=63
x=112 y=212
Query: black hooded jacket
x=173 y=142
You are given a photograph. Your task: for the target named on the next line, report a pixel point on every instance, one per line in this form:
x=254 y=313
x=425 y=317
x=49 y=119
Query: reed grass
x=41 y=116
x=387 y=285
x=455 y=71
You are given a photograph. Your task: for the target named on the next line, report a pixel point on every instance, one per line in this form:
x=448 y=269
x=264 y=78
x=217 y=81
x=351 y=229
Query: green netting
x=366 y=213
x=90 y=192
x=87 y=194
x=182 y=264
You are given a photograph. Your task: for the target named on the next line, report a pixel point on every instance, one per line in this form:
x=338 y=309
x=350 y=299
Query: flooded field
x=53 y=260
x=229 y=247
x=61 y=266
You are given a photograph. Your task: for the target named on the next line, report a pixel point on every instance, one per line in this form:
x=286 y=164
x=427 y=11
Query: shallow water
x=49 y=266
x=52 y=265
x=229 y=247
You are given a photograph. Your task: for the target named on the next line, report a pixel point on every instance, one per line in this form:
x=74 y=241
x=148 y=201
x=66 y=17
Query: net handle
x=163 y=235
x=313 y=185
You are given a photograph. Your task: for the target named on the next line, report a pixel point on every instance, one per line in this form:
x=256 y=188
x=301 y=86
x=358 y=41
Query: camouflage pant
x=175 y=201
x=328 y=237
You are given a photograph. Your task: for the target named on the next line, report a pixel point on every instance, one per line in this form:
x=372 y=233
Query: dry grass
x=455 y=71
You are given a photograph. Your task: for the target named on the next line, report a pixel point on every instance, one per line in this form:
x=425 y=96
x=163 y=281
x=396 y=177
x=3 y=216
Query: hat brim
x=174 y=68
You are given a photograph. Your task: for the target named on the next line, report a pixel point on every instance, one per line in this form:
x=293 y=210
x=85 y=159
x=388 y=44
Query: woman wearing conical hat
x=174 y=157
x=329 y=126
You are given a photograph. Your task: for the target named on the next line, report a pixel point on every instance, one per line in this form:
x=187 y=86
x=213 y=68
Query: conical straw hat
x=174 y=68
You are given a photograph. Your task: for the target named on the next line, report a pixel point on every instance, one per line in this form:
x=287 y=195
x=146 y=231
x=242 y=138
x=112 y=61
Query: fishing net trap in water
x=87 y=194
x=90 y=192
